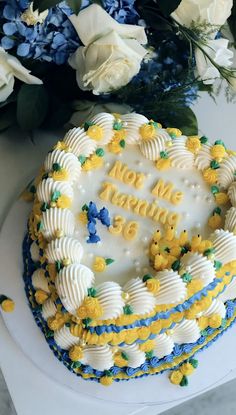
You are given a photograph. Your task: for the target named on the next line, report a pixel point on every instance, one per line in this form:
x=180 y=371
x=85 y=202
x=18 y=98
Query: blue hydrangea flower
x=123 y=11
x=53 y=40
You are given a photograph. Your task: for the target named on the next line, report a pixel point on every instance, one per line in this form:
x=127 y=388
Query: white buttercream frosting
x=140 y=299
x=232 y=193
x=164 y=345
x=226 y=172
x=224 y=243
x=64 y=248
x=72 y=285
x=34 y=252
x=64 y=339
x=67 y=161
x=56 y=219
x=172 y=288
x=187 y=331
x=198 y=266
x=39 y=281
x=48 y=309
x=230 y=220
x=105 y=121
x=229 y=293
x=217 y=307
x=79 y=142
x=151 y=148
x=203 y=157
x=136 y=357
x=179 y=155
x=109 y=294
x=132 y=124
x=48 y=186
x=98 y=357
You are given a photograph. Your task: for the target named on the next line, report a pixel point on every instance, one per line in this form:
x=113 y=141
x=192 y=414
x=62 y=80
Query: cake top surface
x=114 y=188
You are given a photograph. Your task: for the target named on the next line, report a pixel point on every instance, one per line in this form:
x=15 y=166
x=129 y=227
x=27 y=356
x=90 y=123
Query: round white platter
x=215 y=363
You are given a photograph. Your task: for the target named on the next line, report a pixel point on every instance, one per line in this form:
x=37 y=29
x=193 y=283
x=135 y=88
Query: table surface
x=19 y=156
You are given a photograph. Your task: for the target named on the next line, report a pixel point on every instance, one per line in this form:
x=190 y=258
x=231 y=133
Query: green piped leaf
x=186 y=277
x=194 y=363
x=82 y=159
x=217 y=211
x=217 y=265
x=149 y=354
x=164 y=155
x=55 y=196
x=88 y=124
x=124 y=356
x=100 y=152
x=128 y=309
x=204 y=139
x=122 y=143
x=147 y=277
x=86 y=322
x=56 y=167
x=184 y=381
x=92 y=292
x=109 y=261
x=215 y=190
x=214 y=164
x=176 y=265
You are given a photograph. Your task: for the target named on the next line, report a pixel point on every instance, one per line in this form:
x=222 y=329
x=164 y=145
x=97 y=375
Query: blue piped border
x=153 y=362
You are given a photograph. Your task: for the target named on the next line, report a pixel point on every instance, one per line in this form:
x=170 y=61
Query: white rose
x=112 y=54
x=219 y=53
x=10 y=67
x=214 y=12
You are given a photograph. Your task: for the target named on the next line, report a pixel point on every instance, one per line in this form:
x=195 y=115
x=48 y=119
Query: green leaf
x=124 y=356
x=168 y=6
x=147 y=277
x=75 y=5
x=232 y=21
x=128 y=309
x=42 y=5
x=7 y=116
x=185 y=120
x=32 y=106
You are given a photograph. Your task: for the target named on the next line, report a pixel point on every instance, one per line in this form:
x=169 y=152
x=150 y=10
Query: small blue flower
x=93 y=239
x=92 y=210
x=104 y=217
x=91 y=226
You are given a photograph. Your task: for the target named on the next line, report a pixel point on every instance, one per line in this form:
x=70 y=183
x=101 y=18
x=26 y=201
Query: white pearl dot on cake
x=145 y=239
x=197 y=225
x=125 y=123
x=126 y=251
x=149 y=175
x=186 y=181
x=192 y=186
x=185 y=215
x=139 y=163
x=136 y=262
x=90 y=255
x=197 y=198
x=107 y=164
x=197 y=185
x=82 y=190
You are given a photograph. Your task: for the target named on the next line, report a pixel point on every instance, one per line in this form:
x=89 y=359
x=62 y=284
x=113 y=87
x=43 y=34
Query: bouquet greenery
x=62 y=62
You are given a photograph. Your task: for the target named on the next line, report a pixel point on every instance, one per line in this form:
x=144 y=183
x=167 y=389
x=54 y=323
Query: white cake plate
x=215 y=363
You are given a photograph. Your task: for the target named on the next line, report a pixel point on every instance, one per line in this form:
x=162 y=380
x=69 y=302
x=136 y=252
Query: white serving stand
x=36 y=380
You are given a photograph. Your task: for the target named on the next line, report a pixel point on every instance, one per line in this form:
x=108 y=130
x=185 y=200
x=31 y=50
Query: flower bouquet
x=62 y=62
